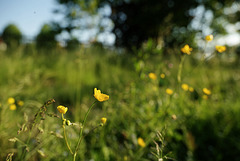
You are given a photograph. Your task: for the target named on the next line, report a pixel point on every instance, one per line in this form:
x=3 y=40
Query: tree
x=73 y=44
x=12 y=36
x=78 y=15
x=46 y=39
x=135 y=21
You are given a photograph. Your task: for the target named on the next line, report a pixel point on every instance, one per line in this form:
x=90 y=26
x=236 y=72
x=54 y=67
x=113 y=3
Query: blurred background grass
x=138 y=106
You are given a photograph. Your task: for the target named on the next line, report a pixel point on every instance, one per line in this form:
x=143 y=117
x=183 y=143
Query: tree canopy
x=12 y=36
x=46 y=39
x=135 y=21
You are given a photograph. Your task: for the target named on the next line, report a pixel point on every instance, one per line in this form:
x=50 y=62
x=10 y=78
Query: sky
x=28 y=15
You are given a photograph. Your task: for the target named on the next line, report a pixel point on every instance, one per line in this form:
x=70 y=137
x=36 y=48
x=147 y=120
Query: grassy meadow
x=144 y=121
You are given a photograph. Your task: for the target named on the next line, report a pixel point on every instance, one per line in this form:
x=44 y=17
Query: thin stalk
x=65 y=136
x=202 y=59
x=204 y=52
x=81 y=132
x=180 y=69
x=29 y=136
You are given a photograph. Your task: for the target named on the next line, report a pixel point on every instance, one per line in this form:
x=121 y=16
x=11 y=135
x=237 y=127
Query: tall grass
x=194 y=128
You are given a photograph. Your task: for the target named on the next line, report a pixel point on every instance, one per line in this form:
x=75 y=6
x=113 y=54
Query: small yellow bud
x=11 y=100
x=141 y=142
x=169 y=91
x=62 y=109
x=20 y=103
x=220 y=49
x=191 y=89
x=209 y=38
x=152 y=76
x=103 y=120
x=185 y=87
x=206 y=91
x=13 y=107
x=162 y=75
x=68 y=123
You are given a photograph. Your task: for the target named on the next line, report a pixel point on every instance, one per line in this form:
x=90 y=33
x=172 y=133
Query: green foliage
x=12 y=36
x=192 y=128
x=46 y=39
x=73 y=44
x=137 y=21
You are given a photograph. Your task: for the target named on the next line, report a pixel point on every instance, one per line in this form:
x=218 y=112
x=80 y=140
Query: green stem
x=204 y=53
x=29 y=135
x=180 y=69
x=81 y=131
x=65 y=136
x=202 y=60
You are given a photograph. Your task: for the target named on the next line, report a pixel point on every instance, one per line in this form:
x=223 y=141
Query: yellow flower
x=185 y=87
x=209 y=38
x=20 y=103
x=141 y=142
x=100 y=96
x=62 y=109
x=220 y=49
x=152 y=76
x=162 y=75
x=68 y=123
x=205 y=97
x=186 y=49
x=191 y=89
x=11 y=100
x=169 y=91
x=103 y=120
x=13 y=107
x=206 y=91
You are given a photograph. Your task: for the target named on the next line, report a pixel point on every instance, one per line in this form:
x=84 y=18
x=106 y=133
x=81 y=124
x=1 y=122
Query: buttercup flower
x=13 y=107
x=220 y=49
x=141 y=142
x=185 y=87
x=103 y=120
x=209 y=38
x=169 y=91
x=186 y=49
x=20 y=103
x=152 y=76
x=100 y=96
x=191 y=89
x=206 y=91
x=11 y=100
x=68 y=123
x=62 y=109
x=162 y=75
